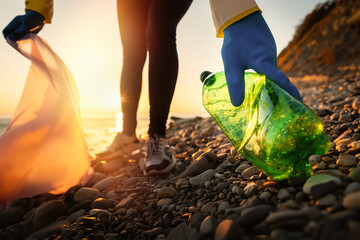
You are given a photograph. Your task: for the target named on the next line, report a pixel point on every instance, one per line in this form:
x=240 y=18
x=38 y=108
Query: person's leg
x=164 y=16
x=132 y=17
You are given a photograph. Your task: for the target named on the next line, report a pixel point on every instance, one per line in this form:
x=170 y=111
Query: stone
x=113 y=166
x=196 y=219
x=352 y=187
x=204 y=162
x=85 y=193
x=182 y=232
x=314 y=159
x=283 y=215
x=346 y=160
x=72 y=218
x=208 y=207
x=164 y=202
x=226 y=230
x=250 y=189
x=199 y=180
x=356 y=103
x=182 y=182
x=49 y=230
x=249 y=172
x=355 y=174
x=355 y=144
x=265 y=196
x=125 y=202
x=94 y=178
x=102 y=203
x=252 y=216
x=223 y=205
x=208 y=226
x=167 y=192
x=45 y=214
x=326 y=200
x=283 y=194
x=105 y=183
x=352 y=201
x=242 y=167
x=321 y=184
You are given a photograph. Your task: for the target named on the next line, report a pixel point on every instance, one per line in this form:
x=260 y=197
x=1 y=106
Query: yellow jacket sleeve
x=226 y=12
x=44 y=7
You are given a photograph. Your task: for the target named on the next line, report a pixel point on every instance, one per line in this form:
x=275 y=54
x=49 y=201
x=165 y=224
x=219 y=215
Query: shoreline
x=223 y=197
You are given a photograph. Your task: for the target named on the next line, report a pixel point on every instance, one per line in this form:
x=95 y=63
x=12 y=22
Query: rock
x=251 y=216
x=208 y=226
x=250 y=189
x=113 y=166
x=242 y=167
x=208 y=207
x=311 y=212
x=196 y=219
x=314 y=159
x=355 y=144
x=320 y=185
x=223 y=205
x=95 y=212
x=87 y=194
x=283 y=215
x=72 y=218
x=283 y=194
x=94 y=178
x=182 y=182
x=326 y=200
x=105 y=183
x=265 y=196
x=352 y=200
x=356 y=103
x=102 y=203
x=249 y=172
x=11 y=215
x=346 y=160
x=226 y=230
x=154 y=231
x=167 y=192
x=125 y=202
x=352 y=187
x=49 y=230
x=183 y=232
x=204 y=162
x=200 y=179
x=355 y=174
x=45 y=214
x=164 y=201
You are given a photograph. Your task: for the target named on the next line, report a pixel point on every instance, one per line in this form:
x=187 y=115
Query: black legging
x=149 y=25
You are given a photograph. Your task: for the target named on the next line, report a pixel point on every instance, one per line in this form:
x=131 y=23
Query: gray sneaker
x=122 y=144
x=159 y=157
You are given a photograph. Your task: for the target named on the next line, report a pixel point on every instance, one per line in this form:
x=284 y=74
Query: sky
x=85 y=35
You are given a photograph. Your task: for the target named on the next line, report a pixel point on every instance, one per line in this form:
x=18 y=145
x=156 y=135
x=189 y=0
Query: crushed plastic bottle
x=272 y=129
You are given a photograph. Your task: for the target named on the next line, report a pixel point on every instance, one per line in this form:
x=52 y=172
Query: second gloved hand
x=249 y=44
x=31 y=22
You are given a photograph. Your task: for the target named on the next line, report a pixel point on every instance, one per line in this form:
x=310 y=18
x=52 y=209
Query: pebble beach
x=214 y=192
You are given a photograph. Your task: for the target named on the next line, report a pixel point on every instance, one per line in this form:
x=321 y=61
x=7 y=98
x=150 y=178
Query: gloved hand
x=249 y=44
x=31 y=22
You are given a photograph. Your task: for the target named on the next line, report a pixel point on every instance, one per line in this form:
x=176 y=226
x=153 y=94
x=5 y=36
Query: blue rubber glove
x=249 y=44
x=31 y=22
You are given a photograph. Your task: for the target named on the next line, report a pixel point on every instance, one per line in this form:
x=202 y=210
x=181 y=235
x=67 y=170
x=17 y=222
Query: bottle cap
x=204 y=75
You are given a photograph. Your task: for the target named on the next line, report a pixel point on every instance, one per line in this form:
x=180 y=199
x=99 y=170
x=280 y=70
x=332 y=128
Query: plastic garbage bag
x=43 y=149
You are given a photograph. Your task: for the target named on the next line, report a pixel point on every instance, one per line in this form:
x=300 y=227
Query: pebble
x=352 y=200
x=76 y=215
x=226 y=230
x=249 y=172
x=250 y=189
x=355 y=174
x=204 y=162
x=105 y=183
x=283 y=194
x=200 y=179
x=320 y=184
x=223 y=205
x=242 y=167
x=167 y=192
x=164 y=202
x=208 y=207
x=102 y=203
x=352 y=187
x=208 y=226
x=251 y=216
x=87 y=194
x=125 y=202
x=182 y=231
x=326 y=200
x=346 y=160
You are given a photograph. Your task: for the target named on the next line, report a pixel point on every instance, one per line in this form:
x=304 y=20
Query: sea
x=100 y=129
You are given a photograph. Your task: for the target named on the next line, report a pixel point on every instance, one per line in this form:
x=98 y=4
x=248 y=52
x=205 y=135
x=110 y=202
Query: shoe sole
x=128 y=149
x=158 y=172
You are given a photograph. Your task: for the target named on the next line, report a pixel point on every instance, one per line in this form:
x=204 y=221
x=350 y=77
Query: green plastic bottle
x=272 y=129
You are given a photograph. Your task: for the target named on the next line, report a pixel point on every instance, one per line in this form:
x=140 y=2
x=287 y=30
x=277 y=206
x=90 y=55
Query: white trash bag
x=44 y=149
